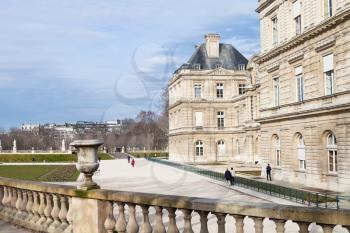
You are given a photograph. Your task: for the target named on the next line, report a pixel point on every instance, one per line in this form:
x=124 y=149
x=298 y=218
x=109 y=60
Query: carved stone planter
x=87 y=161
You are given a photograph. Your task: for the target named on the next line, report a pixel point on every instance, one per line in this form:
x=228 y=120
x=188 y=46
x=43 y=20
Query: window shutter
x=328 y=63
x=296 y=9
x=199 y=119
x=298 y=70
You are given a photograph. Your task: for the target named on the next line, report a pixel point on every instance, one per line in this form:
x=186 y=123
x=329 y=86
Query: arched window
x=199 y=148
x=221 y=149
x=332 y=153
x=277 y=150
x=301 y=152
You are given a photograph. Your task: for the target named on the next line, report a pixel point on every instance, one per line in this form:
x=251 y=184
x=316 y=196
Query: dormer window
x=218 y=66
x=241 y=67
x=197 y=66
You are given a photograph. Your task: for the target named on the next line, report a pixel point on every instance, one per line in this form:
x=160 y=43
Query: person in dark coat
x=268 y=172
x=128 y=158
x=228 y=176
x=233 y=174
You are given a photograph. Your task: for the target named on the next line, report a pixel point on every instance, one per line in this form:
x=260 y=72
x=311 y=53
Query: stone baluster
x=13 y=202
x=145 y=226
x=120 y=226
x=8 y=202
x=303 y=227
x=47 y=211
x=258 y=224
x=29 y=207
x=4 y=201
x=187 y=217
x=1 y=197
x=132 y=223
x=159 y=226
x=35 y=208
x=41 y=210
x=63 y=214
x=221 y=222
x=18 y=205
x=172 y=228
x=204 y=221
x=110 y=222
x=24 y=204
x=327 y=228
x=239 y=223
x=54 y=214
x=69 y=229
x=279 y=225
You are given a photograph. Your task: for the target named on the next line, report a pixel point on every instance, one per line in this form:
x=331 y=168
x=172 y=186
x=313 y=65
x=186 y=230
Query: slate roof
x=229 y=58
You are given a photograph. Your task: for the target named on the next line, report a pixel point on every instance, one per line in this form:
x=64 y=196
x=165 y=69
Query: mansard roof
x=229 y=58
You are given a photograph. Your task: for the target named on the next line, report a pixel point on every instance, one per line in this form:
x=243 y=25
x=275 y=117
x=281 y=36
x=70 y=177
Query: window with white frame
x=221 y=150
x=241 y=66
x=328 y=8
x=332 y=153
x=297 y=16
x=197 y=91
x=241 y=88
x=301 y=152
x=199 y=148
x=277 y=150
x=218 y=65
x=221 y=119
x=276 y=91
x=275 y=30
x=220 y=90
x=299 y=83
x=197 y=66
x=199 y=119
x=328 y=71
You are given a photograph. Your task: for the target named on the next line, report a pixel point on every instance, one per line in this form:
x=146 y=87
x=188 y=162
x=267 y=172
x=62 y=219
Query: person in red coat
x=133 y=162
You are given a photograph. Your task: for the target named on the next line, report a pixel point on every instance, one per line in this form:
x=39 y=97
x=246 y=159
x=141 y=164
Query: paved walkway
x=7 y=228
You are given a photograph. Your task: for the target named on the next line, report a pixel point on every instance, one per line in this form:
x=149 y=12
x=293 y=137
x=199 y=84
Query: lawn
x=45 y=173
x=24 y=158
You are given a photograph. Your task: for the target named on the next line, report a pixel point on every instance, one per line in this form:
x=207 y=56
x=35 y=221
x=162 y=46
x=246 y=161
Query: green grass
x=149 y=154
x=25 y=158
x=45 y=173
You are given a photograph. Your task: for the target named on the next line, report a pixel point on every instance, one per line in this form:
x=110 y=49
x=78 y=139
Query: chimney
x=212 y=45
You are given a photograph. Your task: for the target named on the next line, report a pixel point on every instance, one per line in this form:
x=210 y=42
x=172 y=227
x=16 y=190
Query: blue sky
x=68 y=60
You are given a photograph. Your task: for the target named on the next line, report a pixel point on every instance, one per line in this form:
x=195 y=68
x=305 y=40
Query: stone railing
x=47 y=207
x=54 y=208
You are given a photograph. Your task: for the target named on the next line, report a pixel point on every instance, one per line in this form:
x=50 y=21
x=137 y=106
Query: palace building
x=288 y=106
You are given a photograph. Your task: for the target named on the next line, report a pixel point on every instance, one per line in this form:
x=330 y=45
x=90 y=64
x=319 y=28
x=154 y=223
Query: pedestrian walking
x=228 y=176
x=128 y=158
x=233 y=174
x=133 y=162
x=268 y=172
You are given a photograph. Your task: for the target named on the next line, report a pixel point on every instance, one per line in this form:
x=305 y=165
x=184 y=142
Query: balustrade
x=50 y=208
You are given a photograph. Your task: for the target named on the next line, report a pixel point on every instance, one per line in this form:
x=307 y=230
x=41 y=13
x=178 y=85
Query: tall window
x=275 y=31
x=198 y=91
x=199 y=148
x=221 y=118
x=199 y=119
x=332 y=153
x=277 y=150
x=328 y=7
x=241 y=88
x=297 y=16
x=220 y=90
x=221 y=150
x=276 y=91
x=301 y=152
x=299 y=83
x=328 y=72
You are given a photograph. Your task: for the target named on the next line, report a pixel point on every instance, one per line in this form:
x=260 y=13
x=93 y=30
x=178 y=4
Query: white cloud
x=247 y=46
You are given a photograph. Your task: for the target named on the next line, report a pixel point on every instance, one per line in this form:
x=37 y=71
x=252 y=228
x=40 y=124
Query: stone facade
x=295 y=110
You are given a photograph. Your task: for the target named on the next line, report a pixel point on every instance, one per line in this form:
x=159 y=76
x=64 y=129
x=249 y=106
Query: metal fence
x=312 y=199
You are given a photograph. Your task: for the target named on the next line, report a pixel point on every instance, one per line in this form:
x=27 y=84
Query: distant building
x=34 y=128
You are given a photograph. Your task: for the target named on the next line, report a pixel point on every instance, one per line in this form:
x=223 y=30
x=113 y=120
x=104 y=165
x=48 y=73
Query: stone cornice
x=263 y=5
x=307 y=35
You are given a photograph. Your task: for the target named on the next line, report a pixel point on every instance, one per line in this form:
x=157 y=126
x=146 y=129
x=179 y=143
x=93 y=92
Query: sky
x=99 y=60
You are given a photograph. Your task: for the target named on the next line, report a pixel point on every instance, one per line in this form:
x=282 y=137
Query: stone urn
x=87 y=161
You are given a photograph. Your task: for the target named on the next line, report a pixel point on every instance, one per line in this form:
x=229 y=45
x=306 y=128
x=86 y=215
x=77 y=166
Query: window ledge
x=301 y=170
x=334 y=174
